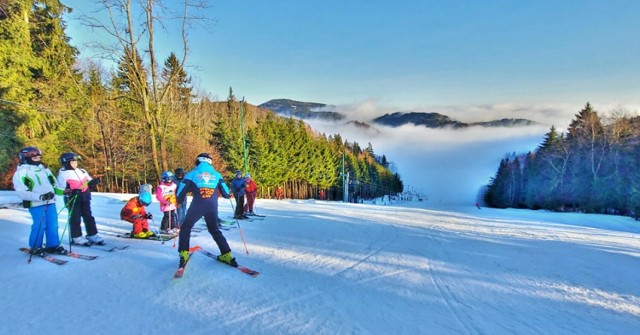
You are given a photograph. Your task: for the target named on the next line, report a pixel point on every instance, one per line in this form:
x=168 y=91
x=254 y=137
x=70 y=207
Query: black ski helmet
x=203 y=157
x=26 y=154
x=179 y=172
x=67 y=157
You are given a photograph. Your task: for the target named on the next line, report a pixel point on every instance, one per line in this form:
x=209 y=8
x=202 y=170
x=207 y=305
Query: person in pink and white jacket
x=166 y=195
x=76 y=183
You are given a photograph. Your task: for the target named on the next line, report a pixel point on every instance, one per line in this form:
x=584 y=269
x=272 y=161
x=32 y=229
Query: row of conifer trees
x=141 y=118
x=591 y=167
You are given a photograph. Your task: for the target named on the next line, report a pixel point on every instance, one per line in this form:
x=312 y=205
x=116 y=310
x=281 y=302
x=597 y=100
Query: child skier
x=238 y=185
x=35 y=185
x=166 y=195
x=134 y=212
x=76 y=183
x=182 y=208
x=251 y=189
x=206 y=184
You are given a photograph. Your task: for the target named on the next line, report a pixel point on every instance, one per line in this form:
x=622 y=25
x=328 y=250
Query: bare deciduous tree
x=149 y=90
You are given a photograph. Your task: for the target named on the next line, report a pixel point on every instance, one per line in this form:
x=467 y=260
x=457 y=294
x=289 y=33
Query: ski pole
x=73 y=204
x=239 y=228
x=174 y=233
x=63 y=207
x=157 y=230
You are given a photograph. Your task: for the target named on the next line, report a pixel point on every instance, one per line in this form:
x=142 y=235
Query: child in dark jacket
x=206 y=185
x=76 y=183
x=238 y=186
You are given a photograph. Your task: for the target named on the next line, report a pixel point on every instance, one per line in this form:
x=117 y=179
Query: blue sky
x=407 y=54
x=471 y=60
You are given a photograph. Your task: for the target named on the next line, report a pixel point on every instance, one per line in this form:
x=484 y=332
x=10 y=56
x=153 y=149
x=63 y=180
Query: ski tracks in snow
x=390 y=235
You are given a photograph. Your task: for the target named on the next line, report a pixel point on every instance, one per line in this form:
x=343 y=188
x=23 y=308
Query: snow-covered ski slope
x=334 y=268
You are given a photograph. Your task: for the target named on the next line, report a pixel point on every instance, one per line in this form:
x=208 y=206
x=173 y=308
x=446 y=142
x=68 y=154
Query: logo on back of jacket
x=207 y=184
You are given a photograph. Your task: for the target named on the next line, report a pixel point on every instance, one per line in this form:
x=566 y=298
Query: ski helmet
x=167 y=176
x=238 y=173
x=145 y=188
x=203 y=157
x=68 y=157
x=179 y=173
x=145 y=198
x=26 y=154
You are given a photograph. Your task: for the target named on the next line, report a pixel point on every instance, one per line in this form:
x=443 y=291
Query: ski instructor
x=206 y=184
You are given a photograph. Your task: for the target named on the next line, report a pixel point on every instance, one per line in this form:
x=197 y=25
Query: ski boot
x=184 y=257
x=60 y=250
x=141 y=235
x=227 y=258
x=80 y=240
x=38 y=251
x=95 y=239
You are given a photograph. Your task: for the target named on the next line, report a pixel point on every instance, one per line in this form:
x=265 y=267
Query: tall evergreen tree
x=39 y=92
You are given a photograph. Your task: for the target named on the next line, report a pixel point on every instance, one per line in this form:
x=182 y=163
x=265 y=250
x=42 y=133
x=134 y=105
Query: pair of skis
x=161 y=237
x=224 y=225
x=180 y=272
x=103 y=247
x=250 y=218
x=59 y=261
x=227 y=225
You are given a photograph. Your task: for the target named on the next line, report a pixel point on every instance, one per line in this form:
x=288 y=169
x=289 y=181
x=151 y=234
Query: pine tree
x=497 y=195
x=552 y=164
x=16 y=60
x=39 y=93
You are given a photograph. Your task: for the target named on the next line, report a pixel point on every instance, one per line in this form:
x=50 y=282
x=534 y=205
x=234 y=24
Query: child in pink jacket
x=166 y=195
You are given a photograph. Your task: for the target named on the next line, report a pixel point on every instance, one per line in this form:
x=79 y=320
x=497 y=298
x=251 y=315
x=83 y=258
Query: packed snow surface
x=336 y=268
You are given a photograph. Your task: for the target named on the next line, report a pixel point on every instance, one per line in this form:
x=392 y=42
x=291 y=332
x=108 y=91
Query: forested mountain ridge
x=592 y=167
x=144 y=117
x=429 y=120
x=302 y=110
x=313 y=110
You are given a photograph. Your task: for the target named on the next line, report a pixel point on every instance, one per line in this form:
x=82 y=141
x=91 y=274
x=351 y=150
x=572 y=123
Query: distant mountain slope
x=312 y=110
x=505 y=123
x=430 y=120
x=435 y=120
x=302 y=110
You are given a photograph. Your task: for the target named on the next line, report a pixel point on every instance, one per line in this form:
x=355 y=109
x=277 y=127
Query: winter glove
x=149 y=216
x=93 y=182
x=47 y=196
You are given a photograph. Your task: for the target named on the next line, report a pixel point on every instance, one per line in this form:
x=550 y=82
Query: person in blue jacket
x=178 y=176
x=205 y=184
x=238 y=185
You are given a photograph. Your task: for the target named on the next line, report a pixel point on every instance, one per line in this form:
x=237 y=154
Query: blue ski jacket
x=205 y=183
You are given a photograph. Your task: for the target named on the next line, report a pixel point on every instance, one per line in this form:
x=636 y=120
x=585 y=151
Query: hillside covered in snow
x=337 y=268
